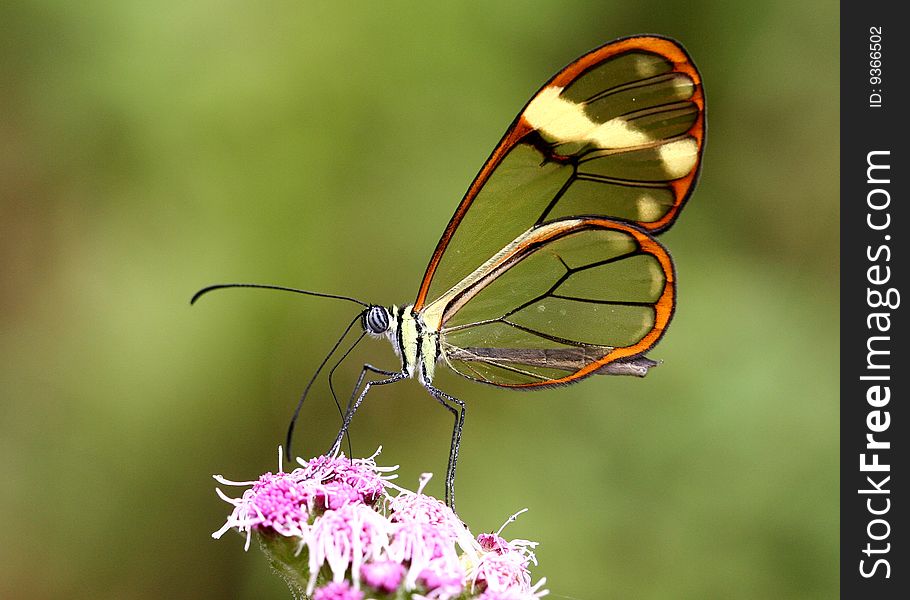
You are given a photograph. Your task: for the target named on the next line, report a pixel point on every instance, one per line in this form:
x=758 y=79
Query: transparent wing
x=617 y=134
x=556 y=304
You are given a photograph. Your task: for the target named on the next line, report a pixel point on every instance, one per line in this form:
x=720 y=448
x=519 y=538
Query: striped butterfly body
x=549 y=271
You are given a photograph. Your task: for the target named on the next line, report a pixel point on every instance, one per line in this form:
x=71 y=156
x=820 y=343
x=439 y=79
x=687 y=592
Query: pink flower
x=427 y=535
x=502 y=572
x=343 y=480
x=334 y=495
x=341 y=513
x=275 y=502
x=383 y=575
x=337 y=591
x=410 y=507
x=344 y=538
x=491 y=542
x=443 y=579
x=512 y=594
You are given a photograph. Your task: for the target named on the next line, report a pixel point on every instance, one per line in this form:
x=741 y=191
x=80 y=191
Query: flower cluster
x=337 y=529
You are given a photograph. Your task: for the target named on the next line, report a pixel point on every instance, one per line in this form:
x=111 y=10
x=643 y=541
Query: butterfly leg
x=450 y=402
x=356 y=387
x=363 y=373
x=353 y=405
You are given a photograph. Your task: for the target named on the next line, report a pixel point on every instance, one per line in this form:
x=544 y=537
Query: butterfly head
x=376 y=320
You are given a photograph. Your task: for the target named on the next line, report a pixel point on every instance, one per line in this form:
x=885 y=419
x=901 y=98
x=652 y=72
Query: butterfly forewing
x=616 y=134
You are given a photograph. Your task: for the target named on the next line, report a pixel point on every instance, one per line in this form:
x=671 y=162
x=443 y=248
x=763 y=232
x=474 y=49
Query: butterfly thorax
x=414 y=343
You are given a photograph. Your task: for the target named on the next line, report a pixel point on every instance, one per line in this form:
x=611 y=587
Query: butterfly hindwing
x=559 y=302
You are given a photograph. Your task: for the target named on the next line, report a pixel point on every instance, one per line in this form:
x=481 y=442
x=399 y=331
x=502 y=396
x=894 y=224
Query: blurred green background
x=149 y=149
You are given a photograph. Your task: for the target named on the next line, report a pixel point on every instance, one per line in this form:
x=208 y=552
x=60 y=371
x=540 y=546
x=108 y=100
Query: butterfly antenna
x=306 y=391
x=221 y=286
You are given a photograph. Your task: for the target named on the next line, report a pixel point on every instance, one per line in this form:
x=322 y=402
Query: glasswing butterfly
x=548 y=271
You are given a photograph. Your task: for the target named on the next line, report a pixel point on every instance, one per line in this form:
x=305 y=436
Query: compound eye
x=376 y=320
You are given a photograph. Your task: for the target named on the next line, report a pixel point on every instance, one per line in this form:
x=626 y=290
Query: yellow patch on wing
x=565 y=121
x=657 y=278
x=679 y=157
x=683 y=86
x=646 y=66
x=648 y=207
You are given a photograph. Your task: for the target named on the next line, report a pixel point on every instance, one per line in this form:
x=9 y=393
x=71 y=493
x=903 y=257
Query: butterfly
x=549 y=271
